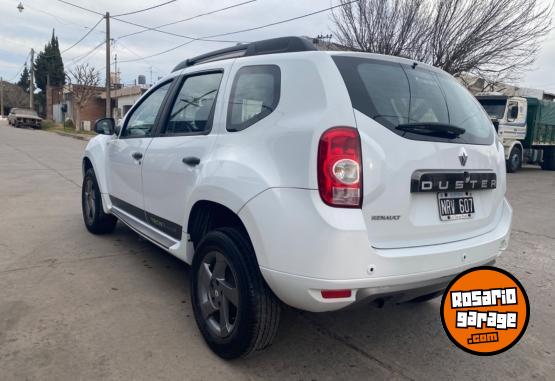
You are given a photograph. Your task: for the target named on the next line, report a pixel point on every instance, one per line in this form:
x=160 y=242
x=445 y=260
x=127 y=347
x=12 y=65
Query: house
x=124 y=98
x=68 y=95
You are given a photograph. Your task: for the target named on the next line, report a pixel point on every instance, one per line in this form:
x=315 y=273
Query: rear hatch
x=421 y=131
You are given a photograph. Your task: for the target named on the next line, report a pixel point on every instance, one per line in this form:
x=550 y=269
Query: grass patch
x=49 y=125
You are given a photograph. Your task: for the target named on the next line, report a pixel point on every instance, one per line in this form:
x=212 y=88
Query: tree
x=14 y=96
x=84 y=81
x=488 y=38
x=49 y=66
x=24 y=79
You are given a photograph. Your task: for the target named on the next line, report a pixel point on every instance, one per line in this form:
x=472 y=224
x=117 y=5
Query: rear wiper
x=432 y=128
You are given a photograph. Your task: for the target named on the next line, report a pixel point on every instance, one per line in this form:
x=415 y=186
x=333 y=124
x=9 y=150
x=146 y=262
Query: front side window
x=415 y=102
x=512 y=111
x=141 y=122
x=192 y=111
x=254 y=95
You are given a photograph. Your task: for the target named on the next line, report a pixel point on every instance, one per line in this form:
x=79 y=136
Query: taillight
x=340 y=167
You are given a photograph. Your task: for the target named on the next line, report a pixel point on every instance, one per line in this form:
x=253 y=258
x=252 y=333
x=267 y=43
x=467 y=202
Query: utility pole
x=32 y=81
x=116 y=69
x=1 y=98
x=108 y=68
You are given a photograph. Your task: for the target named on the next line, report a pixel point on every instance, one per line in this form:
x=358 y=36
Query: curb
x=74 y=136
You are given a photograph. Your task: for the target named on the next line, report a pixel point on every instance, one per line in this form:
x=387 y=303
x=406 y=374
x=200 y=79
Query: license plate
x=455 y=205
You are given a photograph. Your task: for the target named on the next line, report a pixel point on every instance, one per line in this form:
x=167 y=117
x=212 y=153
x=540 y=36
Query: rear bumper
x=303 y=249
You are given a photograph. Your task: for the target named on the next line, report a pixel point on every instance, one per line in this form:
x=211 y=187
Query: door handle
x=137 y=155
x=191 y=161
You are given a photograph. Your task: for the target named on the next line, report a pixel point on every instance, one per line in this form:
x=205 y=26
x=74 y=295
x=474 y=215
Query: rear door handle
x=191 y=161
x=137 y=155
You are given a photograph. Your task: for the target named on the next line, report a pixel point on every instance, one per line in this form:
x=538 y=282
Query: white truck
x=526 y=128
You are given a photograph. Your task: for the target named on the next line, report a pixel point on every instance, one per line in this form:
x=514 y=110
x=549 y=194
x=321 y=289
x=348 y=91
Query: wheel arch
x=207 y=215
x=95 y=157
x=510 y=147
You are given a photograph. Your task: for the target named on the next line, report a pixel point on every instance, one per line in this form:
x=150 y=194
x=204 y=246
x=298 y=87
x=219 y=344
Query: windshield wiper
x=432 y=128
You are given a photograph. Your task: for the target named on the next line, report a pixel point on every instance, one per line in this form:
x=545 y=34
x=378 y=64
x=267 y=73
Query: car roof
x=290 y=45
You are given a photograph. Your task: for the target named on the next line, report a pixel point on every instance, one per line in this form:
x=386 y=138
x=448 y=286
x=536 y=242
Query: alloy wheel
x=89 y=200
x=218 y=294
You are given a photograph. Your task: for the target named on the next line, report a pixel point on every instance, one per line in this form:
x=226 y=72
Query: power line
x=80 y=7
x=283 y=21
x=85 y=36
x=21 y=69
x=61 y=20
x=78 y=59
x=190 y=18
x=154 y=29
x=159 y=53
x=145 y=9
x=243 y=30
x=138 y=25
x=136 y=55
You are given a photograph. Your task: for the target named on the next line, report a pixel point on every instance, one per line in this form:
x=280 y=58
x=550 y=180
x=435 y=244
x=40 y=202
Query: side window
x=512 y=111
x=254 y=95
x=141 y=122
x=192 y=112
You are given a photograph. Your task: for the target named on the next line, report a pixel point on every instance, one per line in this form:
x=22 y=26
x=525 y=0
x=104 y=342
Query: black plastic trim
x=270 y=46
x=452 y=181
x=128 y=208
x=170 y=228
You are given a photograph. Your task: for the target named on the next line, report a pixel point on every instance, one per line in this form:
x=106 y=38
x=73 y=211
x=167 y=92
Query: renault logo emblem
x=463 y=157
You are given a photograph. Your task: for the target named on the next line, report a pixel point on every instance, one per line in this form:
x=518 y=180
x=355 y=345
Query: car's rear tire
x=548 y=163
x=235 y=310
x=96 y=221
x=514 y=163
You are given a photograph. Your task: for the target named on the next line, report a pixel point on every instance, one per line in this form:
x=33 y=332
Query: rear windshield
x=395 y=95
x=494 y=107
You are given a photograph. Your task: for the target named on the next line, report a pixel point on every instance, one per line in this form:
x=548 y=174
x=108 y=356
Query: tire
x=96 y=221
x=225 y=276
x=548 y=163
x=514 y=163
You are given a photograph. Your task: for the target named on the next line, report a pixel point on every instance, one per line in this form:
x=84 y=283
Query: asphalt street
x=77 y=306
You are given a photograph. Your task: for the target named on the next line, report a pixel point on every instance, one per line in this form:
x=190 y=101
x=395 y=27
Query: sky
x=32 y=28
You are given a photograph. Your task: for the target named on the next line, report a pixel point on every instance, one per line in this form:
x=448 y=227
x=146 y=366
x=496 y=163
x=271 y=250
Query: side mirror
x=105 y=126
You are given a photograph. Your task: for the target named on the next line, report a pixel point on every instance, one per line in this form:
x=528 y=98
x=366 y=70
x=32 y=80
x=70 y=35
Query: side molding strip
x=167 y=227
x=144 y=230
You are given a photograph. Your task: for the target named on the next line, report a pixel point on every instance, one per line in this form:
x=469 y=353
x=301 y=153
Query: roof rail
x=274 y=45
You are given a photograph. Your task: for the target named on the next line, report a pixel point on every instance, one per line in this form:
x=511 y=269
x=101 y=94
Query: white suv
x=318 y=179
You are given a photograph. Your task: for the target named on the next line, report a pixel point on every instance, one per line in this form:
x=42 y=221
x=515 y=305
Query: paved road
x=77 y=306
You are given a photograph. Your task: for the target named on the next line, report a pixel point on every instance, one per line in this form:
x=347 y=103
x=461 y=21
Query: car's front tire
x=96 y=221
x=235 y=310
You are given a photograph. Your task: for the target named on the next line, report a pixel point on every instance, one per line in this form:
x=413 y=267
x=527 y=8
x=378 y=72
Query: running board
x=144 y=230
